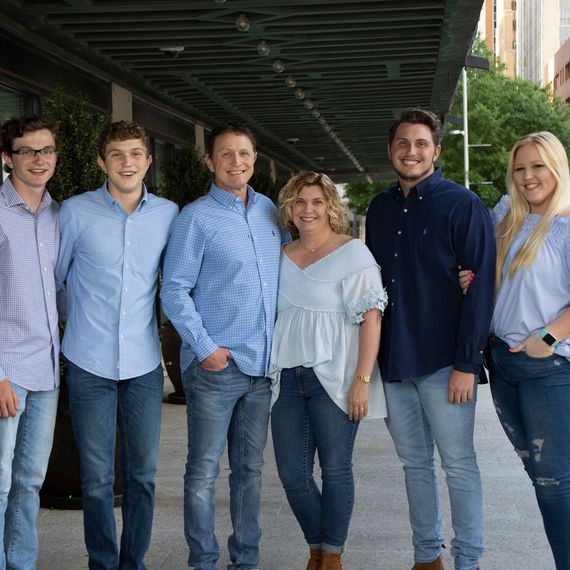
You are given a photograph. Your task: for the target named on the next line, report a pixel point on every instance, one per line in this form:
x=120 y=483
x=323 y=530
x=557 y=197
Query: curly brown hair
x=336 y=210
x=122 y=131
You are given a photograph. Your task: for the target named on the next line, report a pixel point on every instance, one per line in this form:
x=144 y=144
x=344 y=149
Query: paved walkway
x=380 y=537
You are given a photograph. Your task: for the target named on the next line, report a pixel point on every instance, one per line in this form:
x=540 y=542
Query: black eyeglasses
x=29 y=153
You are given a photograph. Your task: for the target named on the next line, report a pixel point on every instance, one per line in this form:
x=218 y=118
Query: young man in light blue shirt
x=112 y=242
x=220 y=292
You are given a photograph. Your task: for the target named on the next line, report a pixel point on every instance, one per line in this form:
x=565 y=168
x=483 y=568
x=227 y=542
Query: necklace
x=313 y=249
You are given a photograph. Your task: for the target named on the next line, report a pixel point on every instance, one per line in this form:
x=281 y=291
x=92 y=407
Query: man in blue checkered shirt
x=220 y=292
x=29 y=336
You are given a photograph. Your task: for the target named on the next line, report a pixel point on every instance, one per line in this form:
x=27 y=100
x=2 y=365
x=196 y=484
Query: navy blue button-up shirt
x=419 y=241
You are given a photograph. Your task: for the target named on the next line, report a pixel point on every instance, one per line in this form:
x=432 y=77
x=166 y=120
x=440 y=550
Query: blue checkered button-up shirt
x=110 y=262
x=29 y=336
x=220 y=278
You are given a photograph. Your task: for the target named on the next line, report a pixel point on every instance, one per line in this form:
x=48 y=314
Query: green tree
x=263 y=183
x=185 y=177
x=501 y=110
x=78 y=132
x=360 y=194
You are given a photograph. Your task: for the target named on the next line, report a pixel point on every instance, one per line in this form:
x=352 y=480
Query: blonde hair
x=554 y=156
x=336 y=210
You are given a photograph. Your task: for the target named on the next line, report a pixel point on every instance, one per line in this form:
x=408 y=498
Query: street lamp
x=480 y=63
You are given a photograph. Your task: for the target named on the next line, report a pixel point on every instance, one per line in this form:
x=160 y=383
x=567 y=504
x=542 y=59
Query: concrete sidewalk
x=380 y=536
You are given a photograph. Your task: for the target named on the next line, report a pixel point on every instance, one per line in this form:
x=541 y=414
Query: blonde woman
x=530 y=345
x=323 y=361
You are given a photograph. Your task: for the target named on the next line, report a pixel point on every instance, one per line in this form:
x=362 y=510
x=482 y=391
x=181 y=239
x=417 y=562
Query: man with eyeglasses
x=112 y=241
x=29 y=336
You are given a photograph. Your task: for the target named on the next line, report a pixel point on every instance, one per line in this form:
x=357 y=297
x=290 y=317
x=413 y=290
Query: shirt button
x=126 y=265
x=399 y=232
x=264 y=284
x=45 y=268
x=392 y=304
x=126 y=289
x=41 y=244
x=124 y=313
x=395 y=255
x=49 y=294
x=122 y=336
x=393 y=281
x=421 y=197
x=128 y=243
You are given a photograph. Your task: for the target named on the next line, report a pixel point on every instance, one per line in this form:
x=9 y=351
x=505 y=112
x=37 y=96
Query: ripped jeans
x=532 y=399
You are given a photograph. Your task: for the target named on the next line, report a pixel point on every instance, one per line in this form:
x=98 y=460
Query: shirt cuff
x=204 y=349
x=469 y=368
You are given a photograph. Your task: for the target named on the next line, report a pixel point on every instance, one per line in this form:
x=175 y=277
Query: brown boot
x=330 y=561
x=314 y=562
x=436 y=564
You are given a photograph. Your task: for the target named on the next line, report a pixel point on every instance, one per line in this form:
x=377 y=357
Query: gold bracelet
x=364 y=379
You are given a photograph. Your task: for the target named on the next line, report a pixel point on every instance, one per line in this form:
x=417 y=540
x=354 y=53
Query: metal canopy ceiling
x=357 y=63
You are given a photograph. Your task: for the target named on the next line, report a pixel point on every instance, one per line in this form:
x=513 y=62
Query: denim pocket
x=205 y=370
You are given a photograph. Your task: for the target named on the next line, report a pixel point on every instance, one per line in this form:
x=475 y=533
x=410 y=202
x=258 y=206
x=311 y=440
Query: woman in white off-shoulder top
x=323 y=361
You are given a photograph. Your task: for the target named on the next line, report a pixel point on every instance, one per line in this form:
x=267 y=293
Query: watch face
x=549 y=339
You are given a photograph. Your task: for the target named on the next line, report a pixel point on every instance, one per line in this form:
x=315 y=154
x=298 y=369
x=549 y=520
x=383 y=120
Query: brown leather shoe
x=436 y=564
x=330 y=561
x=314 y=562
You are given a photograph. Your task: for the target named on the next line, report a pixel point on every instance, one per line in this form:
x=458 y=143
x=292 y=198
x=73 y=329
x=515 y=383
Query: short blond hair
x=337 y=211
x=555 y=159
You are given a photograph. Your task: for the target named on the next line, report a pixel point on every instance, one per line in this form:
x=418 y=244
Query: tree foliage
x=360 y=194
x=500 y=111
x=185 y=177
x=78 y=132
x=263 y=183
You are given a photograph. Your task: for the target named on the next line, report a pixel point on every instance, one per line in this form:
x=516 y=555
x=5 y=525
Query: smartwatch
x=549 y=339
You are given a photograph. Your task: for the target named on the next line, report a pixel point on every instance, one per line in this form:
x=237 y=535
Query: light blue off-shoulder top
x=319 y=309
x=537 y=296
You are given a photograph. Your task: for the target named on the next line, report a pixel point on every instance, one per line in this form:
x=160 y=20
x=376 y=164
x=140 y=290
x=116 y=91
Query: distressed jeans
x=220 y=406
x=25 y=446
x=532 y=399
x=304 y=420
x=420 y=417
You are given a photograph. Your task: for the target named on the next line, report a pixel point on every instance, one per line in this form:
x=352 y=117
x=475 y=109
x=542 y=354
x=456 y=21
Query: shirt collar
x=228 y=199
x=426 y=184
x=110 y=200
x=13 y=198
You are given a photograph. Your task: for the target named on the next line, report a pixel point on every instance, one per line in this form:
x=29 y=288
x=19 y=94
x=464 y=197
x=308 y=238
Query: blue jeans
x=532 y=399
x=224 y=405
x=305 y=420
x=419 y=417
x=95 y=404
x=25 y=446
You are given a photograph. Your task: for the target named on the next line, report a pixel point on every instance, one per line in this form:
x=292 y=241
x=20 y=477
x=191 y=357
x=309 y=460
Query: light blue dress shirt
x=29 y=336
x=110 y=262
x=220 y=278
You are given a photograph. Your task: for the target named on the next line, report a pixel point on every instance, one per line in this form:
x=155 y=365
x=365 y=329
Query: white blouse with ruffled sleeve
x=319 y=309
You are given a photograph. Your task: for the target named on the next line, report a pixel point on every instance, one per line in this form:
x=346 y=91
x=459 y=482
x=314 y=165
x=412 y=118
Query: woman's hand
x=358 y=400
x=466 y=276
x=534 y=346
